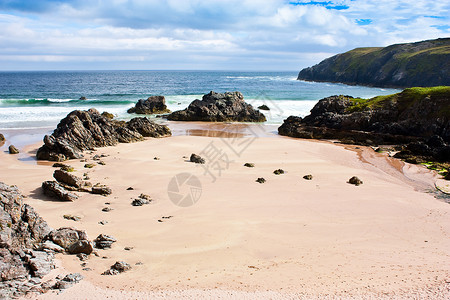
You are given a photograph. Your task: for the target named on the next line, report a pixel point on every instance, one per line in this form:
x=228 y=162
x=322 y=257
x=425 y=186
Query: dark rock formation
x=2 y=139
x=13 y=150
x=308 y=177
x=54 y=190
x=104 y=241
x=153 y=105
x=81 y=246
x=68 y=281
x=219 y=107
x=117 y=268
x=196 y=159
x=260 y=180
x=425 y=63
x=101 y=190
x=412 y=116
x=147 y=128
x=355 y=180
x=263 y=107
x=278 y=172
x=21 y=230
x=67 y=178
x=139 y=202
x=83 y=130
x=249 y=165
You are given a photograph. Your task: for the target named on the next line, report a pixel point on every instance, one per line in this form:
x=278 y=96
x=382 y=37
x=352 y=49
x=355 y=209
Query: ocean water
x=34 y=100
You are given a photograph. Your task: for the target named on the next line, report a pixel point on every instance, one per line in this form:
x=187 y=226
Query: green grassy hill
x=422 y=64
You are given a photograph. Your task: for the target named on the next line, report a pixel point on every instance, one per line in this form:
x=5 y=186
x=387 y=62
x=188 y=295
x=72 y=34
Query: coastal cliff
x=425 y=63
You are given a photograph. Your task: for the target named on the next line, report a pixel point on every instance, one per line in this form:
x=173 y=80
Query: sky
x=281 y=35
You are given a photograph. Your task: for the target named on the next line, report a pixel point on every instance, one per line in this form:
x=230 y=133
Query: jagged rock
x=278 y=172
x=2 y=139
x=84 y=130
x=66 y=236
x=263 y=107
x=49 y=245
x=53 y=189
x=139 y=202
x=260 y=180
x=104 y=241
x=101 y=190
x=21 y=229
x=148 y=128
x=355 y=180
x=219 y=107
x=196 y=159
x=249 y=165
x=68 y=281
x=41 y=263
x=13 y=150
x=67 y=178
x=145 y=197
x=308 y=177
x=72 y=217
x=153 y=105
x=410 y=117
x=117 y=268
x=81 y=246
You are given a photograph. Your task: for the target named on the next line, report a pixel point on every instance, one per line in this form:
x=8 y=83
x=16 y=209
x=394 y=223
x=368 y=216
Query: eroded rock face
x=83 y=130
x=54 y=190
x=219 y=107
x=153 y=105
x=21 y=230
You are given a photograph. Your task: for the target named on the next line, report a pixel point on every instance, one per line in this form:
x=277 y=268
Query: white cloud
x=226 y=32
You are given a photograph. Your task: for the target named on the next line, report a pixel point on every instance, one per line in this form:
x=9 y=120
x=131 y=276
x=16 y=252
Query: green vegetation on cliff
x=425 y=63
x=406 y=99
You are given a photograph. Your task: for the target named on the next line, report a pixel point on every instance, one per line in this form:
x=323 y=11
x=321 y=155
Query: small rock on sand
x=260 y=180
x=355 y=180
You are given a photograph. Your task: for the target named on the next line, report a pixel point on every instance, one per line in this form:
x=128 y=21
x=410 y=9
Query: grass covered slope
x=425 y=63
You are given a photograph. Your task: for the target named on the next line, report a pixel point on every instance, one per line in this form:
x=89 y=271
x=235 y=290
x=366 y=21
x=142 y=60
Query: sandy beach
x=286 y=238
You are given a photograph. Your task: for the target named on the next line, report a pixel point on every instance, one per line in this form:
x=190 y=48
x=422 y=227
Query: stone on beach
x=196 y=159
x=117 y=268
x=54 y=190
x=153 y=105
x=355 y=180
x=13 y=150
x=219 y=107
x=104 y=241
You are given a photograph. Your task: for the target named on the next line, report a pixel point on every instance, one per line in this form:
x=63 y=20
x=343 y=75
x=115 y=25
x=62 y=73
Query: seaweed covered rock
x=219 y=107
x=153 y=105
x=84 y=130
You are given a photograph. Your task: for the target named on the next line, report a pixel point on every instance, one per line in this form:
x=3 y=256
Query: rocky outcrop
x=425 y=63
x=219 y=107
x=153 y=105
x=412 y=116
x=117 y=268
x=84 y=130
x=196 y=159
x=21 y=230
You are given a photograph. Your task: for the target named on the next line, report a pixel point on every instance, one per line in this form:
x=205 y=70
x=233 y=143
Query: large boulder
x=219 y=107
x=55 y=190
x=153 y=105
x=84 y=130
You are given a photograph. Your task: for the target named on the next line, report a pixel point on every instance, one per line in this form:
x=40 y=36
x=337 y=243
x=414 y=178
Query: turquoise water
x=30 y=100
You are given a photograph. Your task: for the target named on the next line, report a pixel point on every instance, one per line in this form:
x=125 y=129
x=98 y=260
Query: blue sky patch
x=326 y=4
x=363 y=22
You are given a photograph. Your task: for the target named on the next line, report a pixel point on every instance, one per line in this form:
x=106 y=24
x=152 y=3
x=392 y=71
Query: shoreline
x=286 y=238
